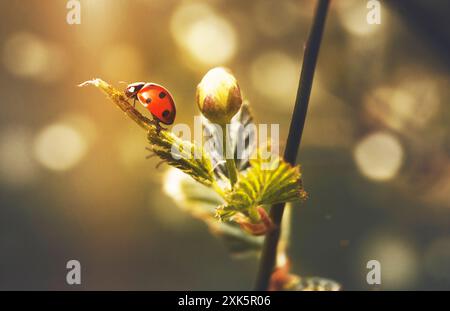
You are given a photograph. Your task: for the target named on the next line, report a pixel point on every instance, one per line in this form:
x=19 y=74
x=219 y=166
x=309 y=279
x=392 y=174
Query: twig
x=122 y=102
x=229 y=160
x=269 y=251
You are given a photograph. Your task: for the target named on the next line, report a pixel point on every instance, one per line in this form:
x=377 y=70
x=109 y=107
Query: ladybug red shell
x=155 y=98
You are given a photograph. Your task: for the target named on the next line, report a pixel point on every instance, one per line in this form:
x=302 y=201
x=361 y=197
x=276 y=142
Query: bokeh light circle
x=353 y=17
x=206 y=36
x=275 y=75
x=397 y=257
x=25 y=55
x=379 y=156
x=59 y=147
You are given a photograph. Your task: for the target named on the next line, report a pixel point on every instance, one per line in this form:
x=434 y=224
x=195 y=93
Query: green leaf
x=266 y=182
x=188 y=157
x=201 y=202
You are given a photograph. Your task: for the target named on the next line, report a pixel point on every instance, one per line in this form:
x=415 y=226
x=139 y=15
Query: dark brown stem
x=269 y=251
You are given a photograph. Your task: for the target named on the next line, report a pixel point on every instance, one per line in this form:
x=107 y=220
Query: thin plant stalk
x=268 y=256
x=229 y=161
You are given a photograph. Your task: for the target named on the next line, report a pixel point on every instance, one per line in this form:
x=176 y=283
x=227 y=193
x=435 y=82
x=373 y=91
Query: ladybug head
x=133 y=88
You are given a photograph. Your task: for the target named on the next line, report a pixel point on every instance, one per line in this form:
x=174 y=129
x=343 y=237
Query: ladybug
x=155 y=98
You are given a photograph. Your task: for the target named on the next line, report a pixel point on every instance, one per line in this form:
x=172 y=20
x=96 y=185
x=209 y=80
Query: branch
x=269 y=251
x=122 y=102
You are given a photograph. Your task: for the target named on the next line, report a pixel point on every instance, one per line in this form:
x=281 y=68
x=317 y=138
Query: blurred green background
x=75 y=184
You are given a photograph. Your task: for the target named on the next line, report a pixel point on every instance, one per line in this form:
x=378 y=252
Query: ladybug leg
x=158 y=127
x=134 y=102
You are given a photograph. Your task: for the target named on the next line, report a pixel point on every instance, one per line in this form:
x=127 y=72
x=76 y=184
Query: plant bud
x=219 y=96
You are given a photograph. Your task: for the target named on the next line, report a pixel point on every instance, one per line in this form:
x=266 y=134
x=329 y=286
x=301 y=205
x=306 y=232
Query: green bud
x=219 y=96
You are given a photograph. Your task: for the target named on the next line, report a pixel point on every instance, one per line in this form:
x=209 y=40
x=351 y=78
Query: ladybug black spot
x=148 y=100
x=165 y=113
x=162 y=95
